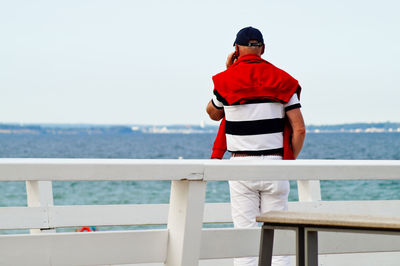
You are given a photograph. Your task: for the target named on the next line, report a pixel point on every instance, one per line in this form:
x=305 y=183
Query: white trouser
x=250 y=198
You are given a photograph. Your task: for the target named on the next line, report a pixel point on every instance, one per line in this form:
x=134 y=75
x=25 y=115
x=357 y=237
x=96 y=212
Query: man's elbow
x=215 y=116
x=300 y=131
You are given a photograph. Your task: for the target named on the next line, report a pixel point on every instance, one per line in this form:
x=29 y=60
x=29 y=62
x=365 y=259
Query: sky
x=151 y=62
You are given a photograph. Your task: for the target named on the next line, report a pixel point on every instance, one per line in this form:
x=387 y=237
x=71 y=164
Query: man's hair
x=253 y=44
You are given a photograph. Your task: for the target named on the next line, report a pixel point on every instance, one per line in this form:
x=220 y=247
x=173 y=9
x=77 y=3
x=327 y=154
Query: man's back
x=255 y=95
x=256 y=128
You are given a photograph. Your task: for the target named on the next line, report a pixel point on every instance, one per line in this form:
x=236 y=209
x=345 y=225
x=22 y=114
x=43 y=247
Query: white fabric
x=294 y=100
x=254 y=142
x=251 y=198
x=254 y=111
x=216 y=102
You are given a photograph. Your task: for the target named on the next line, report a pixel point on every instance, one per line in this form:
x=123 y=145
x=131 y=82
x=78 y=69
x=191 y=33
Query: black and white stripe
x=256 y=127
x=217 y=104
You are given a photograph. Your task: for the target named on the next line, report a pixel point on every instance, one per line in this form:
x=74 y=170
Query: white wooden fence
x=184 y=242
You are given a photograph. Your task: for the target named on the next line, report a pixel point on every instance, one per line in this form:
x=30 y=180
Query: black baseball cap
x=245 y=35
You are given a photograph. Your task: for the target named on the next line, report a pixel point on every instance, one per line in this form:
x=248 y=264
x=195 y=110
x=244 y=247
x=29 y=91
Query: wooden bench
x=306 y=226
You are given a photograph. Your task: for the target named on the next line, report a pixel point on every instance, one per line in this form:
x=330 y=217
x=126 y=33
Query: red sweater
x=251 y=77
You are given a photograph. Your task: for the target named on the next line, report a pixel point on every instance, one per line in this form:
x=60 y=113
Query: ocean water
x=376 y=146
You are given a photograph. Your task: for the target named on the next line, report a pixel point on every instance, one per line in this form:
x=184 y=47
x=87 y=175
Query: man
x=261 y=120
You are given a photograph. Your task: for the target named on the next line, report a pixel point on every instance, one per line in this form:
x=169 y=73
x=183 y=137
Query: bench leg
x=300 y=258
x=266 y=246
x=311 y=248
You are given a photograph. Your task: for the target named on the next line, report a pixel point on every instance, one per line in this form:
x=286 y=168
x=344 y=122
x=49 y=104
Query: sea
x=330 y=146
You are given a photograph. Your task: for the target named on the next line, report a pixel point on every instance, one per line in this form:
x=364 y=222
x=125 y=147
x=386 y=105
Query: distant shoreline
x=87 y=129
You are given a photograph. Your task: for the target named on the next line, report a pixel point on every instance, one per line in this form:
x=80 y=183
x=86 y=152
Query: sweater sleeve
x=219 y=147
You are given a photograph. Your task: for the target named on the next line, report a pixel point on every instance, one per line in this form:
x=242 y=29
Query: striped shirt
x=255 y=127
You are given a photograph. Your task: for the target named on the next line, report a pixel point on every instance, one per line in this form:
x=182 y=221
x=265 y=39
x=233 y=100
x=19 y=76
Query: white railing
x=184 y=241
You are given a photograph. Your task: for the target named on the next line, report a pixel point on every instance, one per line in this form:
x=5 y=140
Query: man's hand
x=230 y=60
x=214 y=113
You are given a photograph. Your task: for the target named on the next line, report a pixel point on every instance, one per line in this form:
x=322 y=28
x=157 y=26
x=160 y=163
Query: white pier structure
x=184 y=242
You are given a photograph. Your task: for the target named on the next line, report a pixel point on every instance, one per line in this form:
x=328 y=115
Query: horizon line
x=170 y=124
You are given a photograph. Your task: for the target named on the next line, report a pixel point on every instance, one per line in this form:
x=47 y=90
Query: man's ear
x=263 y=49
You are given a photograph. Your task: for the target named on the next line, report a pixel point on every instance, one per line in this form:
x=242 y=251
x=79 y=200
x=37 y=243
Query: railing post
x=309 y=190
x=40 y=194
x=185 y=220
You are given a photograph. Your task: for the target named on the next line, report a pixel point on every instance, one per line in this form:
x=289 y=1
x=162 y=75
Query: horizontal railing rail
x=207 y=170
x=157 y=214
x=184 y=241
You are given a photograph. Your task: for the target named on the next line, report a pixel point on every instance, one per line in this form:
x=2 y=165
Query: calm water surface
x=377 y=146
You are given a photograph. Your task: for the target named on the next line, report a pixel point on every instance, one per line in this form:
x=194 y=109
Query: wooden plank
x=221 y=212
x=341 y=243
x=302 y=170
x=100 y=215
x=107 y=215
x=138 y=214
x=23 y=217
x=151 y=214
x=134 y=214
x=331 y=219
x=99 y=169
x=309 y=190
x=144 y=169
x=39 y=194
x=185 y=219
x=217 y=213
x=95 y=248
x=364 y=259
x=376 y=207
x=130 y=247
x=230 y=242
